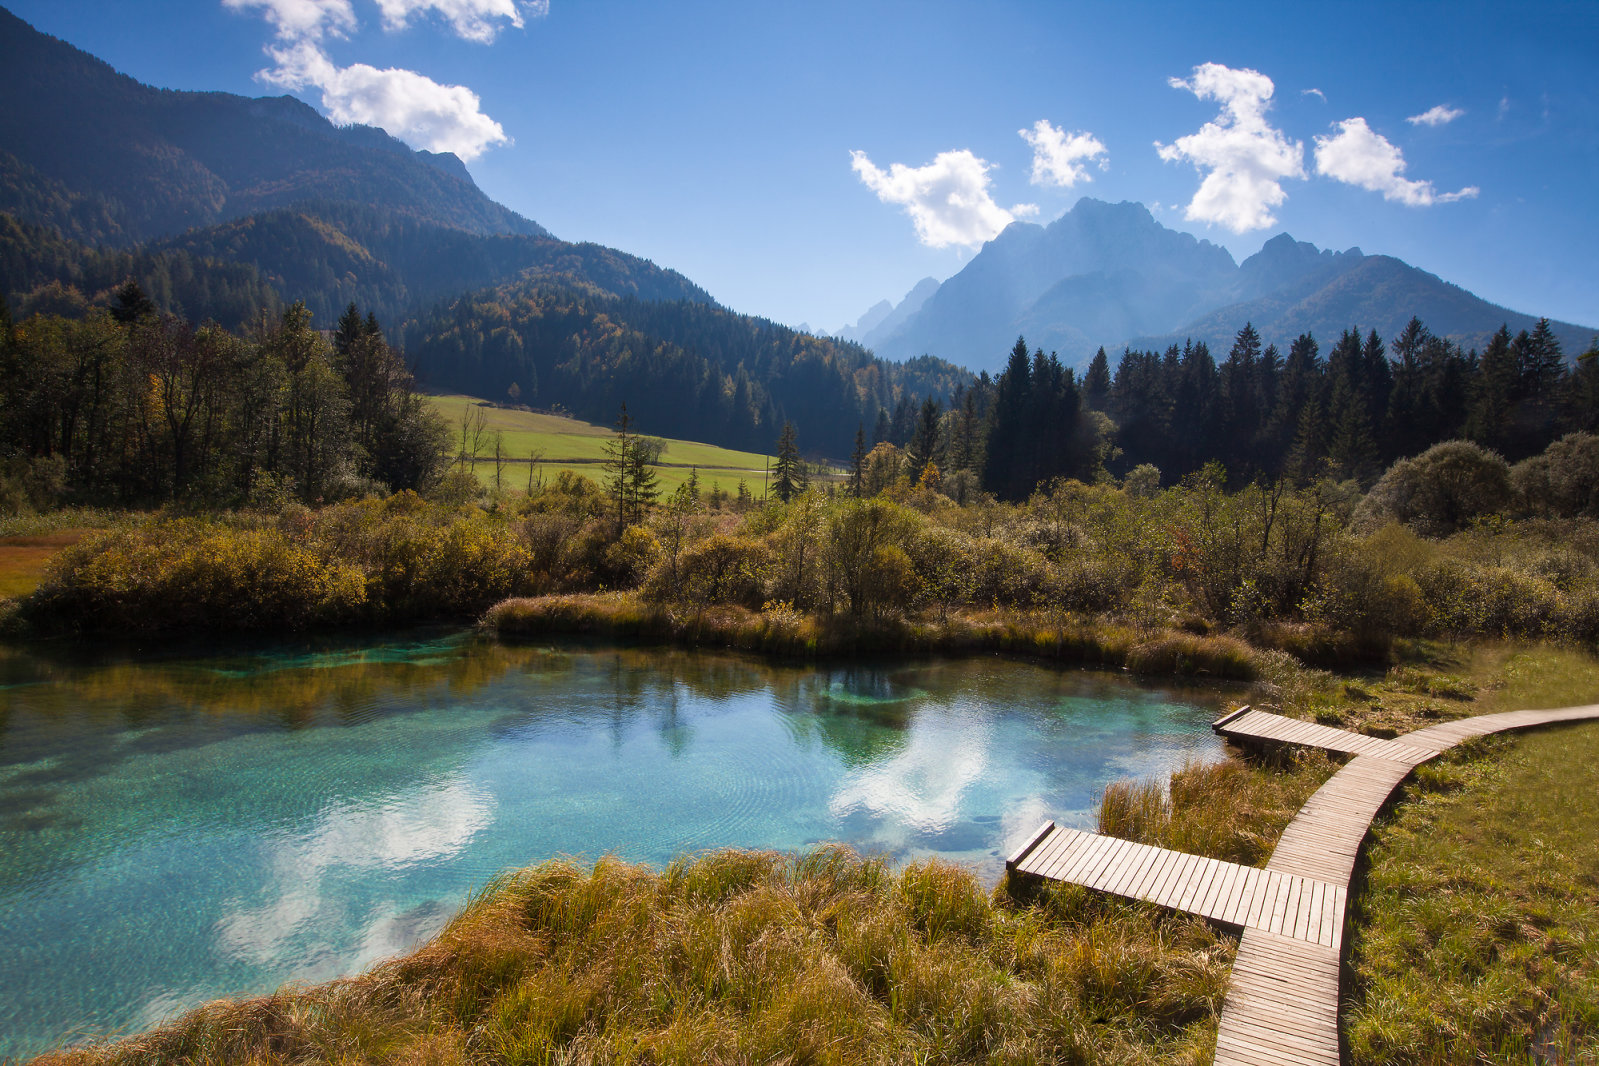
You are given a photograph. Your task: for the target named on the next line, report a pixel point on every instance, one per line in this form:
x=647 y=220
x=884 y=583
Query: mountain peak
x=162 y=161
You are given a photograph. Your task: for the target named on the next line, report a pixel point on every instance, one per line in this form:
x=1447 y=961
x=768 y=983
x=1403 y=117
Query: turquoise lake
x=182 y=824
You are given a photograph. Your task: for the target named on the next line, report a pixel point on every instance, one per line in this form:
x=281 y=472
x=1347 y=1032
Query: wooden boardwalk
x=1247 y=724
x=1282 y=997
x=1292 y=906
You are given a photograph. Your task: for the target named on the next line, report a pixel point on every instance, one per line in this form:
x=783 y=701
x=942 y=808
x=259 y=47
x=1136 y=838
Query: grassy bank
x=747 y=957
x=781 y=630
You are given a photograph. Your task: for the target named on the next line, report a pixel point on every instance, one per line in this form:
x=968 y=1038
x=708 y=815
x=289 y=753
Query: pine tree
x=923 y=448
x=130 y=304
x=788 y=477
x=857 y=463
x=617 y=466
x=1096 y=383
x=1492 y=407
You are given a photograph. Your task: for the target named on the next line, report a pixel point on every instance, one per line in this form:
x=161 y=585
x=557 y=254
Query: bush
x=195 y=574
x=1440 y=491
x=720 y=569
x=1563 y=482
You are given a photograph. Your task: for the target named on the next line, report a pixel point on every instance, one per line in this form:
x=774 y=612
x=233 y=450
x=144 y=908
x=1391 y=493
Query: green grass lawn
x=1476 y=935
x=557 y=438
x=514 y=476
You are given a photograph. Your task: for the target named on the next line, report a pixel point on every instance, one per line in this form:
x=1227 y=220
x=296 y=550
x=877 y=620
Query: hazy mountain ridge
x=1111 y=275
x=1376 y=292
x=901 y=312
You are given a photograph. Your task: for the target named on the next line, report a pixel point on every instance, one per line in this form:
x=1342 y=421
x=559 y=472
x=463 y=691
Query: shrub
x=195 y=574
x=1563 y=482
x=1438 y=492
x=720 y=569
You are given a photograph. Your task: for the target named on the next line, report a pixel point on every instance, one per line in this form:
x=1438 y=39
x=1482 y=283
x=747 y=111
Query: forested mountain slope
x=107 y=159
x=683 y=368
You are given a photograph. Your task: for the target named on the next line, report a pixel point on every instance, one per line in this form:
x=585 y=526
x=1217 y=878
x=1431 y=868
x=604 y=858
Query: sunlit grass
x=746 y=957
x=556 y=438
x=1476 y=933
x=1232 y=810
x=782 y=630
x=514 y=476
x=25 y=558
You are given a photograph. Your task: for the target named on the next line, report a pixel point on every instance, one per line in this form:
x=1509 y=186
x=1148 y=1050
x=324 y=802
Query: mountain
x=225 y=208
x=1111 y=275
x=900 y=313
x=1094 y=272
x=107 y=159
x=1369 y=292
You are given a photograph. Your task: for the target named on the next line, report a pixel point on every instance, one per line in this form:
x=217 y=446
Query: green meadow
x=564 y=443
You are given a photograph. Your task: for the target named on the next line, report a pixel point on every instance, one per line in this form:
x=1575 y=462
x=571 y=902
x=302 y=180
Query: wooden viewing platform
x=1282 y=996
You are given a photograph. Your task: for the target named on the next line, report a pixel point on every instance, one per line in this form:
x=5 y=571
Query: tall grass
x=1231 y=810
x=736 y=956
x=781 y=630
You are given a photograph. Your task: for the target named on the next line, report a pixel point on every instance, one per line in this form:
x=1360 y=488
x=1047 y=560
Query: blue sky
x=752 y=146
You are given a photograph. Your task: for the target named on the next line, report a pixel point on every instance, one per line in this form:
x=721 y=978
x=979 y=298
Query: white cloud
x=1359 y=155
x=1245 y=159
x=411 y=106
x=1437 y=116
x=299 y=20
x=474 y=20
x=1056 y=154
x=1317 y=93
x=948 y=199
x=1024 y=210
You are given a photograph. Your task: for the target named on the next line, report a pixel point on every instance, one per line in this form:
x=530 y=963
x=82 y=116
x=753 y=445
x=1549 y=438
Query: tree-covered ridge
x=329 y=254
x=42 y=272
x=686 y=369
x=163 y=161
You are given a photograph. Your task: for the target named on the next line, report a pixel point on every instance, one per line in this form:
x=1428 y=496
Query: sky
x=804 y=161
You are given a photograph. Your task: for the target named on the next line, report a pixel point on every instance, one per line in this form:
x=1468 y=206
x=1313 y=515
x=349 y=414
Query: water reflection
x=185 y=823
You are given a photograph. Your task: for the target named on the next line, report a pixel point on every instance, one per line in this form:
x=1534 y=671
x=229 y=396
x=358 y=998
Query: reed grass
x=738 y=956
x=1232 y=810
x=784 y=631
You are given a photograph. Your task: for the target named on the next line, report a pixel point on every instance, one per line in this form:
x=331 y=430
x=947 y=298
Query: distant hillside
x=330 y=254
x=684 y=369
x=107 y=159
x=43 y=272
x=1374 y=292
x=1111 y=275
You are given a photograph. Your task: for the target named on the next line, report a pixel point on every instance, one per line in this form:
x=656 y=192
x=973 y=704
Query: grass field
x=23 y=559
x=1477 y=936
x=557 y=438
x=514 y=476
x=568 y=444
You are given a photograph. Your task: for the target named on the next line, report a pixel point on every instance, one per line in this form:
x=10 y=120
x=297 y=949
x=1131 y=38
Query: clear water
x=181 y=825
